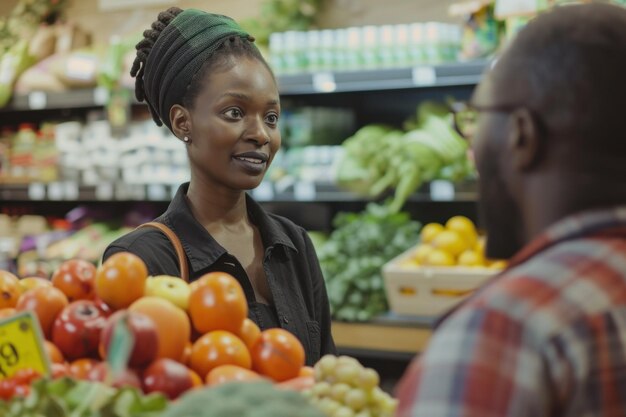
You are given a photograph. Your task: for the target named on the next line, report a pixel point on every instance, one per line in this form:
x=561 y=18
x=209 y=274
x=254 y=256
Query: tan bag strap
x=178 y=247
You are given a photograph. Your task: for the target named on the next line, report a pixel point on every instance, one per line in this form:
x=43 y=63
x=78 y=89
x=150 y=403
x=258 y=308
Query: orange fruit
x=249 y=332
x=186 y=354
x=229 y=373
x=121 y=279
x=53 y=352
x=218 y=348
x=46 y=303
x=217 y=302
x=278 y=354
x=173 y=327
x=10 y=289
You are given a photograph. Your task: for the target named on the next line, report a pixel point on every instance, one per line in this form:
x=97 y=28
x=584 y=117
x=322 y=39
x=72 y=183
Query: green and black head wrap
x=178 y=54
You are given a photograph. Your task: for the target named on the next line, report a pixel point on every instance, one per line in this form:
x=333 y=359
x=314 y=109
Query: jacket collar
x=201 y=248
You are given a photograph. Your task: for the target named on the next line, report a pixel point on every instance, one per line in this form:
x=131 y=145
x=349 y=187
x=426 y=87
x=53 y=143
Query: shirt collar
x=201 y=248
x=586 y=223
x=598 y=222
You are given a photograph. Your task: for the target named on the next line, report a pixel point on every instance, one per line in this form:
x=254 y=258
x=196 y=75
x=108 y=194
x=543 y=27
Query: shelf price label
x=424 y=76
x=21 y=345
x=324 y=82
x=441 y=190
x=304 y=191
x=36 y=191
x=37 y=100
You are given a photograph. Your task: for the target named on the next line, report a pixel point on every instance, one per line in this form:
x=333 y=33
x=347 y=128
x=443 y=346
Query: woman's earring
x=186 y=139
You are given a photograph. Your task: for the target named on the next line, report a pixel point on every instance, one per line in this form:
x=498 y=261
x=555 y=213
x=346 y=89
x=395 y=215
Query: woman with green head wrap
x=202 y=76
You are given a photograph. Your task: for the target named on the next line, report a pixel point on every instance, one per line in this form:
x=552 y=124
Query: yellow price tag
x=21 y=345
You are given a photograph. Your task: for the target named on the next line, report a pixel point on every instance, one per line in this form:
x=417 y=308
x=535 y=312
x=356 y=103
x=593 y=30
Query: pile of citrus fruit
x=455 y=243
x=185 y=335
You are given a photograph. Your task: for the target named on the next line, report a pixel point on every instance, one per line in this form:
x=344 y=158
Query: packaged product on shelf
x=481 y=31
x=22 y=152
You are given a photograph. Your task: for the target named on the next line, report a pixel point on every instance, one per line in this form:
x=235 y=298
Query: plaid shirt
x=547 y=337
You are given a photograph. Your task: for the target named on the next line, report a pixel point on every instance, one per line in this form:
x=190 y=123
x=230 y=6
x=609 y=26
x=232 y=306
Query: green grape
x=368 y=379
x=348 y=360
x=343 y=412
x=348 y=373
x=338 y=391
x=364 y=413
x=388 y=405
x=328 y=406
x=378 y=395
x=321 y=389
x=355 y=399
x=327 y=364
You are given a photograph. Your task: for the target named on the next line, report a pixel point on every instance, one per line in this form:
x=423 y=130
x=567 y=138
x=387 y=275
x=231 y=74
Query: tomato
x=54 y=354
x=218 y=348
x=46 y=303
x=227 y=373
x=25 y=376
x=217 y=302
x=249 y=332
x=21 y=390
x=277 y=354
x=121 y=280
x=7 y=389
x=80 y=368
x=59 y=370
x=76 y=279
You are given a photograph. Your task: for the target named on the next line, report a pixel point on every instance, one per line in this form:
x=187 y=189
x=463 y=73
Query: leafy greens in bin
x=353 y=256
x=66 y=397
x=378 y=158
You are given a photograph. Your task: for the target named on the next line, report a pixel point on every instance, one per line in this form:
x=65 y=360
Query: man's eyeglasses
x=466 y=116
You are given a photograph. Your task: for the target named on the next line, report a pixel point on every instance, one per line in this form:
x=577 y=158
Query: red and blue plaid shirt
x=547 y=337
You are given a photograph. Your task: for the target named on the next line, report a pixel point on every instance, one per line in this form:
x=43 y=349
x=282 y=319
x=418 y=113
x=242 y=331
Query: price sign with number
x=21 y=345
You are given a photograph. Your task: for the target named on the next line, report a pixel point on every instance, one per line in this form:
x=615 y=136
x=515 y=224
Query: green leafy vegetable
x=67 y=397
x=353 y=257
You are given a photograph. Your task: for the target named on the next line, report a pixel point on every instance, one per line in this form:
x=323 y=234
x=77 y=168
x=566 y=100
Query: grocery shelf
x=445 y=75
x=388 y=334
x=303 y=192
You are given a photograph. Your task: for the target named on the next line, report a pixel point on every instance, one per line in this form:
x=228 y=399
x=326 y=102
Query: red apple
x=100 y=372
x=76 y=331
x=144 y=332
x=76 y=279
x=103 y=306
x=168 y=377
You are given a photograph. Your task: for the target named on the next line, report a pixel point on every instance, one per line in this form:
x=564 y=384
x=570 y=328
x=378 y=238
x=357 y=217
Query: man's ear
x=181 y=121
x=524 y=140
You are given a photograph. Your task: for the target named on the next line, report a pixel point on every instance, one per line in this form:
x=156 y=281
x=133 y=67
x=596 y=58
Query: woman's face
x=234 y=130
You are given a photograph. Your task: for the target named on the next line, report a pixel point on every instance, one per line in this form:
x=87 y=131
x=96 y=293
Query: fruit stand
x=141 y=348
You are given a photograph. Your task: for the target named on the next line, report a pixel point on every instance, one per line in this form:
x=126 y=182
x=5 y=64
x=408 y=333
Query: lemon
x=439 y=258
x=498 y=264
x=464 y=227
x=421 y=252
x=471 y=258
x=479 y=247
x=409 y=263
x=451 y=242
x=430 y=231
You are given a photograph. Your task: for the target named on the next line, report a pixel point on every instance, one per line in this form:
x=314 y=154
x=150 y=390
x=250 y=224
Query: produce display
x=378 y=158
x=354 y=254
x=121 y=343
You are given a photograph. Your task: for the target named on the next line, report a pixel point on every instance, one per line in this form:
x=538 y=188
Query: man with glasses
x=547 y=337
